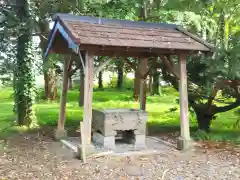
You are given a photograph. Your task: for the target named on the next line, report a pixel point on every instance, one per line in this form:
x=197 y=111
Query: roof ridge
x=69 y=25
x=100 y=20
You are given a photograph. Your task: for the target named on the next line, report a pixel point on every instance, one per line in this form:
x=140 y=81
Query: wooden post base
x=89 y=150
x=60 y=134
x=184 y=144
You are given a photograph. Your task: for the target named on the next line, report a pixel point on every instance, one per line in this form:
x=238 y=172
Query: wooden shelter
x=93 y=36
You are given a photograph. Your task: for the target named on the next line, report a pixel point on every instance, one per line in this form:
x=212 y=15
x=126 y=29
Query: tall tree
x=100 y=80
x=8 y=24
x=24 y=76
x=44 y=10
x=155 y=84
x=120 y=68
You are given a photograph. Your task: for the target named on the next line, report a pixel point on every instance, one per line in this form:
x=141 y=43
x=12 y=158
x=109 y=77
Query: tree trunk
x=204 y=121
x=160 y=86
x=222 y=29
x=204 y=116
x=70 y=83
x=155 y=83
x=100 y=81
x=81 y=95
x=143 y=17
x=50 y=84
x=50 y=75
x=24 y=76
x=143 y=10
x=136 y=86
x=120 y=66
x=150 y=84
x=20 y=88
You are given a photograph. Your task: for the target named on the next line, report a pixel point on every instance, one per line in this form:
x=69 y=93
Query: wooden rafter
x=81 y=59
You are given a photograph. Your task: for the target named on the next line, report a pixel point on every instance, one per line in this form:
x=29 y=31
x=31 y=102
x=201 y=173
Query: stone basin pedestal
x=109 y=122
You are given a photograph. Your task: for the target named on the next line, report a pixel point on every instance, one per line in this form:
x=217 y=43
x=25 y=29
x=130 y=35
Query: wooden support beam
x=131 y=51
x=63 y=100
x=142 y=99
x=184 y=140
x=83 y=149
x=81 y=97
x=81 y=58
x=143 y=68
x=81 y=66
x=88 y=91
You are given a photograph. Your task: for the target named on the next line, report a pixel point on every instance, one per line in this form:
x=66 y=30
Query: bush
x=40 y=94
x=127 y=82
x=113 y=82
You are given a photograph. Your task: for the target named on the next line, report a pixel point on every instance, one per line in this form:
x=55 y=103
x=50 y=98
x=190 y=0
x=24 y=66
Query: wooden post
x=143 y=67
x=88 y=90
x=184 y=140
x=83 y=150
x=60 y=133
x=142 y=100
x=81 y=88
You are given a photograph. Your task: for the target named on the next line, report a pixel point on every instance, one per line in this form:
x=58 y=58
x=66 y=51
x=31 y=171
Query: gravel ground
x=34 y=156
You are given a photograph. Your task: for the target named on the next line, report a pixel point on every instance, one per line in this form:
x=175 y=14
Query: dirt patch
x=36 y=156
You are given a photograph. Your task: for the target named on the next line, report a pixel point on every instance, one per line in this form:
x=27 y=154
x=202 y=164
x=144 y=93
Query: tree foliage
x=24 y=78
x=212 y=79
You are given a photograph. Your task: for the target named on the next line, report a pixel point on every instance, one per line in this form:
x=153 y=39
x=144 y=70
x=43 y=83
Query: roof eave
x=50 y=41
x=208 y=45
x=59 y=28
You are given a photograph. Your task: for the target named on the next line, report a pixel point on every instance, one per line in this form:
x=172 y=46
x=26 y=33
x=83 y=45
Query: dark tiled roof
x=122 y=33
x=98 y=20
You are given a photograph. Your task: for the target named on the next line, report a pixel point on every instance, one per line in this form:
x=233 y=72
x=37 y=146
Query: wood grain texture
x=117 y=35
x=143 y=68
x=63 y=98
x=88 y=91
x=185 y=132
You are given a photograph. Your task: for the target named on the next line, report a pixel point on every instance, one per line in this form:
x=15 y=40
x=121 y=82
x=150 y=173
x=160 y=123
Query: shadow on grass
x=116 y=95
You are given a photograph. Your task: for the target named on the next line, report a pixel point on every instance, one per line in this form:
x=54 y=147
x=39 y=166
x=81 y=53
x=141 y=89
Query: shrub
x=127 y=82
x=113 y=82
x=40 y=94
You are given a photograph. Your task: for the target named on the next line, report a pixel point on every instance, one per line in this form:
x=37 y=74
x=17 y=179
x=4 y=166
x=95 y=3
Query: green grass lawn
x=160 y=118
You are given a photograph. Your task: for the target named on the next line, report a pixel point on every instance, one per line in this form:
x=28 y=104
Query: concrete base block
x=184 y=144
x=60 y=134
x=107 y=142
x=140 y=142
x=89 y=149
